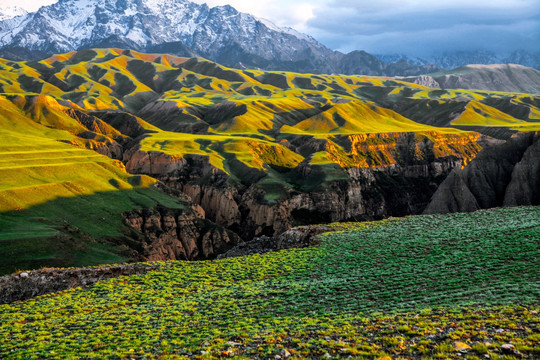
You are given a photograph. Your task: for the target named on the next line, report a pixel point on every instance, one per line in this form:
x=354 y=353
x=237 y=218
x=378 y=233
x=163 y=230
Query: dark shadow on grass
x=77 y=231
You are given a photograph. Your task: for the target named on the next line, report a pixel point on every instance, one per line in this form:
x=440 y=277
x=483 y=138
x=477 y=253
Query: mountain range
x=452 y=60
x=497 y=77
x=184 y=28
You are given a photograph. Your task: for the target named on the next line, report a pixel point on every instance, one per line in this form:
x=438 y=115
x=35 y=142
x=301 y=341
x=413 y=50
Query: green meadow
x=438 y=287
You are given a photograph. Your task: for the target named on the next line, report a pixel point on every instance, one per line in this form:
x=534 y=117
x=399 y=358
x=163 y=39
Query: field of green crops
x=444 y=286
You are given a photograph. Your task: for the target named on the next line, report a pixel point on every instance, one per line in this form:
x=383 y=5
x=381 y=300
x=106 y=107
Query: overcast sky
x=412 y=27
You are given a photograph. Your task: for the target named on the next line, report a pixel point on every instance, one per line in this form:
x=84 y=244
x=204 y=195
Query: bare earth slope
x=501 y=77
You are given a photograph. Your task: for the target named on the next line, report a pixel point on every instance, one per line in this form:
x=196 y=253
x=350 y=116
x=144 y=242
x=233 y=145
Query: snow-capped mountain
x=180 y=27
x=221 y=33
x=9 y=12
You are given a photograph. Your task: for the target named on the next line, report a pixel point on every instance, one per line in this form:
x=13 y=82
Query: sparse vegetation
x=439 y=287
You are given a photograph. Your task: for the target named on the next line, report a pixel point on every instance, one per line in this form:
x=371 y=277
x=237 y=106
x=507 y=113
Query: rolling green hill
x=441 y=287
x=196 y=96
x=50 y=182
x=86 y=136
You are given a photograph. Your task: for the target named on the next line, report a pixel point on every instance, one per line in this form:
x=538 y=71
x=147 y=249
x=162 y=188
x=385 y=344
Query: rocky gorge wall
x=365 y=194
x=503 y=174
x=170 y=234
x=226 y=213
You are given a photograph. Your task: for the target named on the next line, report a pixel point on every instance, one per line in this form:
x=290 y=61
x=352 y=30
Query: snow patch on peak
x=287 y=30
x=218 y=33
x=9 y=12
x=297 y=34
x=157 y=5
x=269 y=24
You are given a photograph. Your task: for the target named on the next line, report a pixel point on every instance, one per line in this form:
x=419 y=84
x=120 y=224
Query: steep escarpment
x=506 y=174
x=365 y=194
x=405 y=171
x=179 y=234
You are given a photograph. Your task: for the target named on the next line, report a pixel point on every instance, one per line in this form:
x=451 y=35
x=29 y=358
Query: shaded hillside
x=239 y=153
x=509 y=77
x=506 y=174
x=63 y=203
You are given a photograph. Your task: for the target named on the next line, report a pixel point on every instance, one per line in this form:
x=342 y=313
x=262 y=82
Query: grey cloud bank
x=420 y=28
x=412 y=27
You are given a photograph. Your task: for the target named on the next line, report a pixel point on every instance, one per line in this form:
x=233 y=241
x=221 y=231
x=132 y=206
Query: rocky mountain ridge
x=507 y=77
x=452 y=60
x=221 y=34
x=182 y=28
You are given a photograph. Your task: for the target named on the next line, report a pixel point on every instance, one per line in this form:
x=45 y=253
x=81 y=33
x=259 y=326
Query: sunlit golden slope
x=196 y=107
x=478 y=114
x=43 y=159
x=59 y=200
x=71 y=124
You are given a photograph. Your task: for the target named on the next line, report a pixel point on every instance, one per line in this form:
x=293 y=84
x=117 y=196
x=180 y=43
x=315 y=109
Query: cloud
x=419 y=27
x=412 y=27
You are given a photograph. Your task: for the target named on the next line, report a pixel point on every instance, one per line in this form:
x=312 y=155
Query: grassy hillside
x=57 y=196
x=432 y=286
x=273 y=109
x=195 y=96
x=70 y=123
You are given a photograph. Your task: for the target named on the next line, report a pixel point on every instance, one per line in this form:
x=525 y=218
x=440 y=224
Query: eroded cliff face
x=367 y=194
x=506 y=174
x=179 y=234
x=403 y=185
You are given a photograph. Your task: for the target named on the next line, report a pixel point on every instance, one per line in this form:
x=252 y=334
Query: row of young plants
x=430 y=286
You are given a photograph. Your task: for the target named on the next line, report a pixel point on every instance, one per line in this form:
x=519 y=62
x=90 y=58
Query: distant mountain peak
x=456 y=59
x=184 y=28
x=494 y=77
x=140 y=24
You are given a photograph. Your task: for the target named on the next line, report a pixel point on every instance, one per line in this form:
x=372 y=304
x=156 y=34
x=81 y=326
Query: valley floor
x=437 y=286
